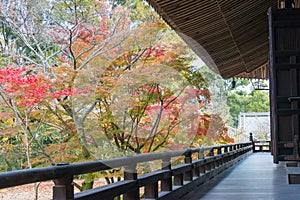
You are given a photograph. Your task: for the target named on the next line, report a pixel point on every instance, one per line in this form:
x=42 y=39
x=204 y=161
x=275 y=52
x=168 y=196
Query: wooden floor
x=255 y=177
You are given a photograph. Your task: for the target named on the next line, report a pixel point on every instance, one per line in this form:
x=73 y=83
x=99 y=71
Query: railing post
x=219 y=150
x=230 y=147
x=239 y=152
x=225 y=160
x=219 y=162
x=201 y=156
x=261 y=148
x=226 y=149
x=212 y=164
x=166 y=184
x=253 y=147
x=188 y=176
x=196 y=170
x=63 y=188
x=251 y=140
x=130 y=173
x=211 y=152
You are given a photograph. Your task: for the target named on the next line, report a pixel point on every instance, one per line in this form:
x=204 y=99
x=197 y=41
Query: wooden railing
x=261 y=146
x=170 y=182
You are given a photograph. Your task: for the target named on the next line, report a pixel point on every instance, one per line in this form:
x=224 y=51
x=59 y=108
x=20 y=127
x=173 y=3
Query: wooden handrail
x=261 y=146
x=211 y=161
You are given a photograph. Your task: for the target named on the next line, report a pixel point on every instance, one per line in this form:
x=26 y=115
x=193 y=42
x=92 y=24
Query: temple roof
x=230 y=36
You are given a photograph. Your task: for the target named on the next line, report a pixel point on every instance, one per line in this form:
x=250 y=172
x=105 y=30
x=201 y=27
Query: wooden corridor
x=255 y=177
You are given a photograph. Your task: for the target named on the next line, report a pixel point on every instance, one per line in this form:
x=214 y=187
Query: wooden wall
x=284 y=58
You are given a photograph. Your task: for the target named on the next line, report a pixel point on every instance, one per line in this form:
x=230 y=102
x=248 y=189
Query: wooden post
x=63 y=188
x=201 y=154
x=188 y=176
x=131 y=174
x=211 y=152
x=226 y=151
x=219 y=150
x=202 y=167
x=253 y=147
x=219 y=162
x=166 y=184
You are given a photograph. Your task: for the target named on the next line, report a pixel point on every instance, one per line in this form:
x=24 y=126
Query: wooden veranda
x=233 y=171
x=232 y=37
x=200 y=166
x=256 y=177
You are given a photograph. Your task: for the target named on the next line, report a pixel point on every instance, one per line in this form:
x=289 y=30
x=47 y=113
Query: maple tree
x=92 y=80
x=25 y=96
x=17 y=91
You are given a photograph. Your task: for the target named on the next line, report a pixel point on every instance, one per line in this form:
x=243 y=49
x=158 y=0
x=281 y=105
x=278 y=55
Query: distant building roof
x=254 y=122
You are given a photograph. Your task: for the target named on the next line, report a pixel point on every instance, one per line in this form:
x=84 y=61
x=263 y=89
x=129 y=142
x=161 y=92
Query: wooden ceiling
x=230 y=36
